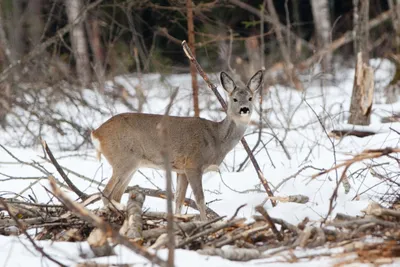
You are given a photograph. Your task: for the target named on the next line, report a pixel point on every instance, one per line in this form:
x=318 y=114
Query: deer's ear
x=227 y=83
x=256 y=81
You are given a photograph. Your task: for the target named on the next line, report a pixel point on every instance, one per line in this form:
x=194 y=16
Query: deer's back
x=135 y=136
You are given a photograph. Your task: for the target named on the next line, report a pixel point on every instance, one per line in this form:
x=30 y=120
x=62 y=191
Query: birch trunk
x=322 y=23
x=78 y=41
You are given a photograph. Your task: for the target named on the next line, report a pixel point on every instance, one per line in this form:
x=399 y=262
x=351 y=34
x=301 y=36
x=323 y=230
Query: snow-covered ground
x=295 y=118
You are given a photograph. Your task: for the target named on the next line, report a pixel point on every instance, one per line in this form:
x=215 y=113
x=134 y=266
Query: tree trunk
x=253 y=53
x=392 y=90
x=34 y=22
x=15 y=30
x=363 y=88
x=78 y=41
x=4 y=43
x=297 y=21
x=6 y=57
x=289 y=68
x=93 y=31
x=193 y=72
x=322 y=23
x=395 y=6
x=360 y=29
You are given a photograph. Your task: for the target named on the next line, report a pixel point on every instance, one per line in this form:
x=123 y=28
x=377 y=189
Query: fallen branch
x=212 y=86
x=243 y=235
x=133 y=224
x=281 y=222
x=29 y=210
x=188 y=202
x=376 y=210
x=186 y=227
x=233 y=254
x=163 y=216
x=358 y=222
x=209 y=231
x=27 y=222
x=98 y=243
x=301 y=199
x=106 y=228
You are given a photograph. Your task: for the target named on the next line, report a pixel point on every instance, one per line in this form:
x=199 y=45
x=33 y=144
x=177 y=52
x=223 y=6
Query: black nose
x=244 y=110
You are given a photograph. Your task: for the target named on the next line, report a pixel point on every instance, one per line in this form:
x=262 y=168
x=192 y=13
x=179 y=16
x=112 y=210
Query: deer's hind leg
x=180 y=194
x=118 y=183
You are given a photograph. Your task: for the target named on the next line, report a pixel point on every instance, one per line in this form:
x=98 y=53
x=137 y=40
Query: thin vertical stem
x=168 y=169
x=191 y=39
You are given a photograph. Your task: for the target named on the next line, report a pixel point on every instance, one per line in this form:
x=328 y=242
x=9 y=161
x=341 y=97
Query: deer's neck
x=231 y=131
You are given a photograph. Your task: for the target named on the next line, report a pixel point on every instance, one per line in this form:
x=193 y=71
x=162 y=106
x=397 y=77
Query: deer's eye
x=250 y=98
x=234 y=100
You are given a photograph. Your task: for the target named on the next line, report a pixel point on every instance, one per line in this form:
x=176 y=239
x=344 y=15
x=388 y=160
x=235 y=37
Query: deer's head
x=240 y=104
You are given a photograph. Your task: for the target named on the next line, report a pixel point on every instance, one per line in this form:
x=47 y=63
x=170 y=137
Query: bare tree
x=363 y=88
x=322 y=23
x=78 y=40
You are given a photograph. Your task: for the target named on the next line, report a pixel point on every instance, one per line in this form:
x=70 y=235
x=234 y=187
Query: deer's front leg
x=194 y=178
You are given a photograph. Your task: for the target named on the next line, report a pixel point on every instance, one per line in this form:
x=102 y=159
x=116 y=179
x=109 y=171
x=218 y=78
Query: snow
x=296 y=118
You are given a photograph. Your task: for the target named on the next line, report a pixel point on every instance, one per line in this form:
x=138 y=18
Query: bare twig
x=168 y=169
x=292 y=177
x=237 y=211
x=60 y=170
x=244 y=234
x=192 y=41
x=187 y=227
x=366 y=154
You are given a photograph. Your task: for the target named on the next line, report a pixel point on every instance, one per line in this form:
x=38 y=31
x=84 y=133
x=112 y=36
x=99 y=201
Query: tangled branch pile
x=140 y=230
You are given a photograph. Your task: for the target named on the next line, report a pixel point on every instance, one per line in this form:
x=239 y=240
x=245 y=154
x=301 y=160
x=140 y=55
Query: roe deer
x=130 y=140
